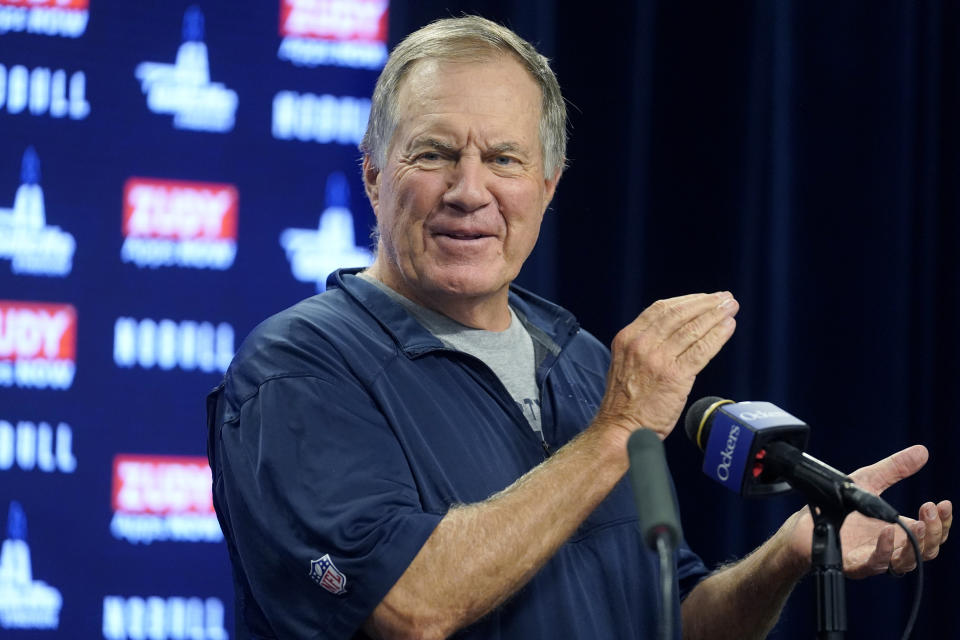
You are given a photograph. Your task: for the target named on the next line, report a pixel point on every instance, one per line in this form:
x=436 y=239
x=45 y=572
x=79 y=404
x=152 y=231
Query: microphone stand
x=657 y=515
x=827 y=564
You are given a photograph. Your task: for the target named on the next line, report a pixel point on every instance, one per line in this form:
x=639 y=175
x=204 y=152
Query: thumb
x=878 y=476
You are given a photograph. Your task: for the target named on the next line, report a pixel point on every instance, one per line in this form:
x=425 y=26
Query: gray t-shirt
x=508 y=353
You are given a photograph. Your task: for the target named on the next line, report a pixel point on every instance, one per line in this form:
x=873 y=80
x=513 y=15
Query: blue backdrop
x=172 y=174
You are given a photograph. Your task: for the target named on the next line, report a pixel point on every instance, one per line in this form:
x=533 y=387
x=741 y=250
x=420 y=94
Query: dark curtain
x=803 y=155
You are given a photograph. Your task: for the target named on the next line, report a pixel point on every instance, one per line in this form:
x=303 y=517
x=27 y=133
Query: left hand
x=871 y=546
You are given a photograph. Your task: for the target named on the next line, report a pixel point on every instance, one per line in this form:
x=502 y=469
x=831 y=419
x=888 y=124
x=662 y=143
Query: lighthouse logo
x=314 y=253
x=184 y=88
x=25 y=603
x=33 y=247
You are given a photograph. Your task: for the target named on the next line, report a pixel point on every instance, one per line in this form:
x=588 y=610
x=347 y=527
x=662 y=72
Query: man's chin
x=466 y=284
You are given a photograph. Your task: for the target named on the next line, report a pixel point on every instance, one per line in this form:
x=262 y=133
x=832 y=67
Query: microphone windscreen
x=650 y=478
x=695 y=416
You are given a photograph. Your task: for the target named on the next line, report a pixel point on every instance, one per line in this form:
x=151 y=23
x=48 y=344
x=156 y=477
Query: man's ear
x=550 y=186
x=371 y=182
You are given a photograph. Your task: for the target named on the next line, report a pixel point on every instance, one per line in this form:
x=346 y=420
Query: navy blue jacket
x=344 y=431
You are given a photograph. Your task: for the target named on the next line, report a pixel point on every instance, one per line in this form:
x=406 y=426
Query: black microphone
x=651 y=489
x=657 y=511
x=756 y=448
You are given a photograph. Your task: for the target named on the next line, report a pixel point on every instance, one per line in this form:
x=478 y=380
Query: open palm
x=871 y=546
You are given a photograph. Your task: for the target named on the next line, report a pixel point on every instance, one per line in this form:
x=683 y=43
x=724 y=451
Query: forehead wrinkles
x=424 y=95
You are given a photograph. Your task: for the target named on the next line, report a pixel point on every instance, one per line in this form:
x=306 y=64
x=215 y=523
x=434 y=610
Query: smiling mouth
x=464 y=236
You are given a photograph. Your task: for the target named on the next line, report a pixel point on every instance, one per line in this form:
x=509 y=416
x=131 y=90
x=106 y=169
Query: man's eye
x=430 y=156
x=504 y=161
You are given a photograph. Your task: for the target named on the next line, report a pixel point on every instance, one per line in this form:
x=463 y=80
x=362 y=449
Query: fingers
x=945 y=509
x=655 y=359
x=903 y=559
x=666 y=315
x=880 y=560
x=690 y=329
x=678 y=323
x=879 y=476
x=936 y=520
x=701 y=351
x=931 y=531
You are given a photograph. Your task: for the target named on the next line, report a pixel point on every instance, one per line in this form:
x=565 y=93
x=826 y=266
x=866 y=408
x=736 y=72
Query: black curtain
x=803 y=155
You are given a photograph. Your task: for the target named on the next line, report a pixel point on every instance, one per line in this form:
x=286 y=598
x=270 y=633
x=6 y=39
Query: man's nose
x=467 y=185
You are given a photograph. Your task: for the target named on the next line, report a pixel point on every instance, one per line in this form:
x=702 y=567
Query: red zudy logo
x=179 y=223
x=346 y=33
x=38 y=343
x=363 y=20
x=66 y=18
x=163 y=498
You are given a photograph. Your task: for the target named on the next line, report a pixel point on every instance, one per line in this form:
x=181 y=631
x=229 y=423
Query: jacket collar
x=547 y=322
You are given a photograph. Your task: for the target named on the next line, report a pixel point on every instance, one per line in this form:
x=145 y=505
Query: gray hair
x=458 y=39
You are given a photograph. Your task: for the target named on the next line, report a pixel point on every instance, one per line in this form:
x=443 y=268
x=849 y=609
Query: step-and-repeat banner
x=171 y=173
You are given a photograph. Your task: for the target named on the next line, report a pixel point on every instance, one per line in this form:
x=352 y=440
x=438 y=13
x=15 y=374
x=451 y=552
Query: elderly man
x=426 y=450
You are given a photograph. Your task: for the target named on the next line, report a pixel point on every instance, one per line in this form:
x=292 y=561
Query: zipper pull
x=546 y=448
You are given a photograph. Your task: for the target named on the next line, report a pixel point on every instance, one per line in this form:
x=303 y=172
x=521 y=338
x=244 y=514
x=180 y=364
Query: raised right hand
x=656 y=358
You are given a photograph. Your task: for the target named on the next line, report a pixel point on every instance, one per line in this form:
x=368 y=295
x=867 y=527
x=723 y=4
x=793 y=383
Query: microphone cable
x=918 y=592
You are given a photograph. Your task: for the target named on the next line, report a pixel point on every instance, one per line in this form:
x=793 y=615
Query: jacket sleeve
x=320 y=508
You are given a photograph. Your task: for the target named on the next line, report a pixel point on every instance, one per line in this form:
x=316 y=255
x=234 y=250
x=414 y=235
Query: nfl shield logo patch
x=326 y=574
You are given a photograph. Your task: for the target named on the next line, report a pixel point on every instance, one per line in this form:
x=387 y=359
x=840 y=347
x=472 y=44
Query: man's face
x=460 y=199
